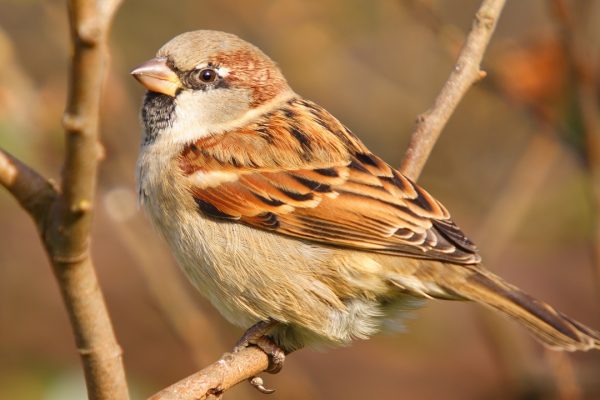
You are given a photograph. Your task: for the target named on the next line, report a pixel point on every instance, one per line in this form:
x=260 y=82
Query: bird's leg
x=256 y=331
x=256 y=335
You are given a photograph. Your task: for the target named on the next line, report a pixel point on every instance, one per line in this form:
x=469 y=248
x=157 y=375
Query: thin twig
x=508 y=211
x=466 y=71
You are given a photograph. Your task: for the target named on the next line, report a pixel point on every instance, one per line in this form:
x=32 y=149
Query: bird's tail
x=551 y=327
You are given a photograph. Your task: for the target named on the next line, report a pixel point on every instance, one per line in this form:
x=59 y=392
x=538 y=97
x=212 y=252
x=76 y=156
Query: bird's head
x=208 y=78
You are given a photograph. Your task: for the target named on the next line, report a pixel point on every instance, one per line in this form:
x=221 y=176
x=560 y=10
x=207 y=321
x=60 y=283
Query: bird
x=286 y=222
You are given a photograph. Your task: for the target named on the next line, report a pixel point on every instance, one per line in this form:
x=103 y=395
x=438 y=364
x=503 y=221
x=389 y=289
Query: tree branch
x=215 y=379
x=68 y=237
x=466 y=71
x=64 y=218
x=33 y=192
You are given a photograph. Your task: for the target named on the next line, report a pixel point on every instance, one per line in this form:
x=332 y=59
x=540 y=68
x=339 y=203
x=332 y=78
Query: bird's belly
x=247 y=275
x=251 y=275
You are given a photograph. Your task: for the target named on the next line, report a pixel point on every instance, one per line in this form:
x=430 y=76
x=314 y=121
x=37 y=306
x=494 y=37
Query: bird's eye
x=207 y=75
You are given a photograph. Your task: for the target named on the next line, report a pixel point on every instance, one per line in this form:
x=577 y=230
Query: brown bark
x=64 y=216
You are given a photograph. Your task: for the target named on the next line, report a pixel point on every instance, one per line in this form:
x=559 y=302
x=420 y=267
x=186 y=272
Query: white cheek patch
x=199 y=114
x=203 y=179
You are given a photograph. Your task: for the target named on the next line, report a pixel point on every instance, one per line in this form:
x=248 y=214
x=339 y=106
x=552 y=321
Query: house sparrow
x=286 y=222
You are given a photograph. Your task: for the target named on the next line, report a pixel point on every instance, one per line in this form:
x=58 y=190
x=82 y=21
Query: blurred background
x=516 y=165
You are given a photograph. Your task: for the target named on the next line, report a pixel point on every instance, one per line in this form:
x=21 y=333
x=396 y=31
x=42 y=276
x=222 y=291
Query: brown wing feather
x=301 y=173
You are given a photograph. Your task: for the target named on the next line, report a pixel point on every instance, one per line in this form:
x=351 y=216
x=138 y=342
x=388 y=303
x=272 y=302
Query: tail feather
x=551 y=327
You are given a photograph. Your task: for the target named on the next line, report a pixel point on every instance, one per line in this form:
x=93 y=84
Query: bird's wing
x=299 y=172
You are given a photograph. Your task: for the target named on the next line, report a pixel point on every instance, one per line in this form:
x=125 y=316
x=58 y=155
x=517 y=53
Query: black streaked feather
x=312 y=185
x=366 y=159
x=211 y=211
x=297 y=196
x=327 y=172
x=420 y=200
x=269 y=202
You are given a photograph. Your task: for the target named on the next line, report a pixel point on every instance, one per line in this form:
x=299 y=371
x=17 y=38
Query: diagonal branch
x=33 y=192
x=215 y=379
x=466 y=71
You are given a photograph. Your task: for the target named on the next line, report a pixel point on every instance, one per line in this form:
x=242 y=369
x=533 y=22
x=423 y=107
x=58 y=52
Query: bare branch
x=230 y=370
x=107 y=10
x=34 y=192
x=67 y=237
x=466 y=71
x=64 y=218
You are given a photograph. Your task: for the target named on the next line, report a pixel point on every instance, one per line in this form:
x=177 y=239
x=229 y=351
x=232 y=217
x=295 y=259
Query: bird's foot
x=253 y=333
x=256 y=336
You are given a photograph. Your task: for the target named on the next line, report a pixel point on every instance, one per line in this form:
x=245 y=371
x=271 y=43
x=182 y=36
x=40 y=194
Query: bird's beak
x=156 y=76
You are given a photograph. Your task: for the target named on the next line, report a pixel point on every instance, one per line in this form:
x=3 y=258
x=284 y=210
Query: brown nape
x=253 y=70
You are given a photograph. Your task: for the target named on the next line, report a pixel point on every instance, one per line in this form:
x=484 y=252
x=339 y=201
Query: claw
x=258 y=383
x=254 y=332
x=276 y=355
x=256 y=336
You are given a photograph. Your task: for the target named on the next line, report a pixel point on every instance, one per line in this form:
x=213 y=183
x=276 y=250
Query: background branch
x=64 y=218
x=526 y=181
x=583 y=74
x=466 y=71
